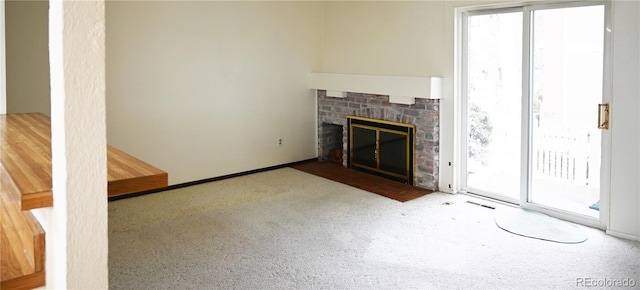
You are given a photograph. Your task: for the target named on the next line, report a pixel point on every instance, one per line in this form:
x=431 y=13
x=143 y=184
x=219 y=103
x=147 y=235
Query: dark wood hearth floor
x=371 y=183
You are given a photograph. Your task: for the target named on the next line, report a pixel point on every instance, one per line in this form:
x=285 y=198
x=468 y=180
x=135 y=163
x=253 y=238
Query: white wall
x=76 y=225
x=205 y=89
x=27 y=56
x=386 y=38
x=417 y=39
x=624 y=217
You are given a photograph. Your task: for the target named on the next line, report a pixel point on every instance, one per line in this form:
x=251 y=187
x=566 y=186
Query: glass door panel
x=567 y=78
x=393 y=152
x=493 y=104
x=364 y=147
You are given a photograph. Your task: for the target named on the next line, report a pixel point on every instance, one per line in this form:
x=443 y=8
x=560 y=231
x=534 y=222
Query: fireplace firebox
x=382 y=148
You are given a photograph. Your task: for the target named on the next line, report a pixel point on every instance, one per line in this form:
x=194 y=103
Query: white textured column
x=76 y=226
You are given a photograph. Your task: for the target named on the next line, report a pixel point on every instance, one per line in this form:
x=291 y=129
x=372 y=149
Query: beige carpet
x=285 y=229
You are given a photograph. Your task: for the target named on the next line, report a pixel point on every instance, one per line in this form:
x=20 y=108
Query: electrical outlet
x=279 y=141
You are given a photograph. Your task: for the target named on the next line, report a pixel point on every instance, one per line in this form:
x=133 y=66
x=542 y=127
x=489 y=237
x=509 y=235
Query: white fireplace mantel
x=401 y=90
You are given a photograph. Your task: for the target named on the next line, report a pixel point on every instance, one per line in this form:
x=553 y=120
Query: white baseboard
x=623 y=235
x=447 y=190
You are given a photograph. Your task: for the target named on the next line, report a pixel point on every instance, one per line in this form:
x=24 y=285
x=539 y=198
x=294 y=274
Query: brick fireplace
x=424 y=114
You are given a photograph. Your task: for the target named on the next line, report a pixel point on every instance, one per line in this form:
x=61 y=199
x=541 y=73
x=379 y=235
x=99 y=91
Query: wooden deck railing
x=563 y=155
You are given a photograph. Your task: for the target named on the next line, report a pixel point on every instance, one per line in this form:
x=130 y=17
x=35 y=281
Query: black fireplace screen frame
x=382 y=148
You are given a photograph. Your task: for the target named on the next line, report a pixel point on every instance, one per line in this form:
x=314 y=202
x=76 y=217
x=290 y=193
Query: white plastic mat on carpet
x=538 y=225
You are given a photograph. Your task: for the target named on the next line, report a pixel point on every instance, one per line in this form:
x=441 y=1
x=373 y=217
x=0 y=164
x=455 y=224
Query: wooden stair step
x=26 y=182
x=22 y=243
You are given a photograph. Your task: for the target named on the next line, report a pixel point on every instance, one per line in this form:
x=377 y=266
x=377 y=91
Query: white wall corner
x=624 y=200
x=638 y=33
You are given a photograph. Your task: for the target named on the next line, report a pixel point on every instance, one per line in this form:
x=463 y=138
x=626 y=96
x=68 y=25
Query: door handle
x=603 y=116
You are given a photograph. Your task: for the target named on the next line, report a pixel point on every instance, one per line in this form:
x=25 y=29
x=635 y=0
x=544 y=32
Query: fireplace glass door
x=382 y=148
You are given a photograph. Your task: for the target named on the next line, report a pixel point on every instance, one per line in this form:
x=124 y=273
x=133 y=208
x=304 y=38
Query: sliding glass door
x=532 y=80
x=567 y=48
x=493 y=104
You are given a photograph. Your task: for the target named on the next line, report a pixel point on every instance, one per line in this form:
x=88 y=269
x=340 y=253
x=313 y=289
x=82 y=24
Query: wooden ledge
x=26 y=155
x=127 y=174
x=22 y=244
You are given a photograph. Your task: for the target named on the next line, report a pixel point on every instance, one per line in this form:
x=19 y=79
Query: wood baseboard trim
x=192 y=183
x=31 y=281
